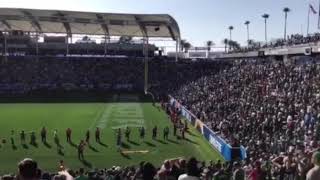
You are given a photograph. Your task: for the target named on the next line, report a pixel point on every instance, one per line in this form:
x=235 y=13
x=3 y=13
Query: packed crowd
x=271 y=108
x=173 y=169
x=24 y=75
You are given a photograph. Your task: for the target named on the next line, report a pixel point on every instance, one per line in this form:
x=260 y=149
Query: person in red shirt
x=257 y=172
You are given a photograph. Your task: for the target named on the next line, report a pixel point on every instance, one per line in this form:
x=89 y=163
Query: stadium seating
x=269 y=107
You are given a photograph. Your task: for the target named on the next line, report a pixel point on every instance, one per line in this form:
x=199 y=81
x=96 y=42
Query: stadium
x=95 y=96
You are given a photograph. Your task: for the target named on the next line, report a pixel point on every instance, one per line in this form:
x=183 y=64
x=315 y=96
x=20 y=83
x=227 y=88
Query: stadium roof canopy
x=89 y=23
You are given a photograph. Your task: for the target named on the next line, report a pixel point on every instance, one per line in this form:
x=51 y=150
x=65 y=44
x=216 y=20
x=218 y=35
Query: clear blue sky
x=199 y=20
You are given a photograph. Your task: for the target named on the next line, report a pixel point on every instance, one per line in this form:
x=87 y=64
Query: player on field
x=142 y=132
x=119 y=139
x=154 y=132
x=97 y=134
x=12 y=137
x=175 y=129
x=127 y=133
x=182 y=130
x=55 y=137
x=33 y=138
x=87 y=136
x=81 y=150
x=23 y=137
x=68 y=134
x=43 y=134
x=166 y=133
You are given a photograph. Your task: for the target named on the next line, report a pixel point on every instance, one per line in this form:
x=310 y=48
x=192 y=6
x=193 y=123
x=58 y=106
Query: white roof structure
x=89 y=23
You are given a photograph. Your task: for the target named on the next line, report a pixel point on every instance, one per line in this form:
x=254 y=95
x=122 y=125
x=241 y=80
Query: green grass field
x=82 y=116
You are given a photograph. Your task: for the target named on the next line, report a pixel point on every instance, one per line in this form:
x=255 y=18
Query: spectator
x=28 y=170
x=238 y=173
x=81 y=175
x=193 y=172
x=314 y=173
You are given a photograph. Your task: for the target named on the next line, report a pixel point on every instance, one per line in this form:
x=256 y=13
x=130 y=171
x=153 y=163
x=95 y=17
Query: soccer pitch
x=83 y=116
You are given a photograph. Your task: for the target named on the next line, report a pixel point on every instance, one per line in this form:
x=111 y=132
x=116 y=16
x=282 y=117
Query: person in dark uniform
x=119 y=140
x=68 y=134
x=80 y=150
x=97 y=135
x=33 y=138
x=182 y=130
x=175 y=129
x=166 y=133
x=12 y=137
x=142 y=132
x=88 y=136
x=43 y=135
x=154 y=132
x=128 y=131
x=23 y=137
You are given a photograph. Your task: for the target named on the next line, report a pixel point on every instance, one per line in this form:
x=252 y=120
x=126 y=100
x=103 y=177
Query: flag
x=312 y=9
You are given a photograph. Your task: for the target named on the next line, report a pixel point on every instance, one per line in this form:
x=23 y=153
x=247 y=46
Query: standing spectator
x=28 y=170
x=314 y=173
x=193 y=172
x=81 y=175
x=238 y=173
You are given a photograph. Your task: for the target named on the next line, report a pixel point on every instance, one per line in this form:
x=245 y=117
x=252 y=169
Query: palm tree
x=265 y=16
x=285 y=10
x=230 y=29
x=247 y=24
x=225 y=42
x=186 y=46
x=182 y=42
x=209 y=45
x=251 y=42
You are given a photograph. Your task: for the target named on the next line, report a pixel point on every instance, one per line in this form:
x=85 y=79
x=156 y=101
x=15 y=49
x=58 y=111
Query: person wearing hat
x=314 y=173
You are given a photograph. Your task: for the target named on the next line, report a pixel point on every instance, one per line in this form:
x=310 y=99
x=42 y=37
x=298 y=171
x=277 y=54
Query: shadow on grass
x=125 y=155
x=125 y=145
x=25 y=146
x=14 y=147
x=93 y=148
x=189 y=140
x=150 y=144
x=34 y=144
x=86 y=163
x=161 y=141
x=73 y=144
x=102 y=144
x=60 y=152
x=46 y=144
x=133 y=142
x=173 y=141
x=191 y=133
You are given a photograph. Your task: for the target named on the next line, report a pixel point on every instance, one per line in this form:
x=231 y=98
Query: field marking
x=102 y=117
x=127 y=115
